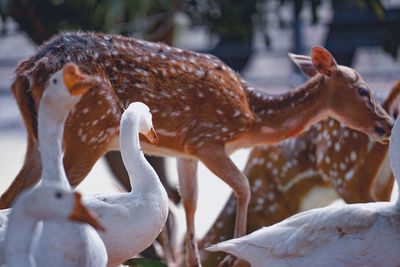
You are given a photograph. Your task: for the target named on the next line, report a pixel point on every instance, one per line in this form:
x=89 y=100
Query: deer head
x=345 y=90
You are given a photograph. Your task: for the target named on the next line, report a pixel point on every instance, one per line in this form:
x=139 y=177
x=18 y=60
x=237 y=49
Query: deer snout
x=383 y=132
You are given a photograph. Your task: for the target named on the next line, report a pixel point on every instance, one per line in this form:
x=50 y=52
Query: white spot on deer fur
x=346 y=133
x=80 y=131
x=260 y=201
x=85 y=110
x=269 y=164
x=94 y=122
x=275 y=171
x=355 y=135
x=83 y=138
x=320 y=157
x=342 y=166
x=200 y=94
x=329 y=143
x=141 y=71
x=337 y=147
x=271 y=196
x=349 y=175
x=220 y=112
x=69 y=58
x=353 y=156
x=200 y=72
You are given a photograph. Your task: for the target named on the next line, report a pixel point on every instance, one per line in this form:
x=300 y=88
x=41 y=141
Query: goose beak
x=82 y=214
x=76 y=82
x=152 y=136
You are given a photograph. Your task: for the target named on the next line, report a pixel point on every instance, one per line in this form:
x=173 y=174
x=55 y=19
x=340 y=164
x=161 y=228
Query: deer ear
x=304 y=63
x=323 y=61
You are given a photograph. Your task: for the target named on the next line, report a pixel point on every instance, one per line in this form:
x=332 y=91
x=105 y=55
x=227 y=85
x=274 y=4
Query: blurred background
x=252 y=36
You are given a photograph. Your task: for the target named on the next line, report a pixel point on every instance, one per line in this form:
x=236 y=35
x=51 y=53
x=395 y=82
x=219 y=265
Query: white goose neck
x=51 y=119
x=140 y=172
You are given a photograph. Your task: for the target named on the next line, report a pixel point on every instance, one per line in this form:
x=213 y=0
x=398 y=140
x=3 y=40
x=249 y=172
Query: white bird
x=135 y=219
x=46 y=202
x=71 y=244
x=350 y=235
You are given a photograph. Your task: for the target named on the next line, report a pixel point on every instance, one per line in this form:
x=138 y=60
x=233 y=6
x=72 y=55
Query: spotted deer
x=327 y=162
x=202 y=110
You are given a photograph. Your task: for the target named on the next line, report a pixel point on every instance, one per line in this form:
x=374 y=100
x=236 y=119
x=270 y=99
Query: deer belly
x=150 y=149
x=319 y=196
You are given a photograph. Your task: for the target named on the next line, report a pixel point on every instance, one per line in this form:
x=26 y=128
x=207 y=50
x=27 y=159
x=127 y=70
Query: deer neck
x=278 y=117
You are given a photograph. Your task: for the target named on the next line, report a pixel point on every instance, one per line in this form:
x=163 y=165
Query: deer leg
x=217 y=160
x=187 y=173
x=27 y=176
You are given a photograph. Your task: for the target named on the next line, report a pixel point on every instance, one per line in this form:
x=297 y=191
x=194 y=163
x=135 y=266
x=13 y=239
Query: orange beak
x=152 y=136
x=76 y=82
x=82 y=214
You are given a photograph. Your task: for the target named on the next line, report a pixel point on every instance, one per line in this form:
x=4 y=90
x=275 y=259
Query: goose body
x=135 y=219
x=350 y=235
x=47 y=202
x=72 y=244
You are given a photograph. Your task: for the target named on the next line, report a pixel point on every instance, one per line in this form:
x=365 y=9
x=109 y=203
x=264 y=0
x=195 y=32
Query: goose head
x=142 y=113
x=52 y=201
x=65 y=87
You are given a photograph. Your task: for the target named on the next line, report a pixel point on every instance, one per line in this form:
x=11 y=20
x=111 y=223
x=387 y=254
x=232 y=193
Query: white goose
x=133 y=220
x=72 y=244
x=350 y=235
x=46 y=202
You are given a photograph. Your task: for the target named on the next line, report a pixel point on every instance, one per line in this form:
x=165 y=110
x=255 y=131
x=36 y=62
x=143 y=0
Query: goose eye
x=54 y=81
x=363 y=91
x=58 y=195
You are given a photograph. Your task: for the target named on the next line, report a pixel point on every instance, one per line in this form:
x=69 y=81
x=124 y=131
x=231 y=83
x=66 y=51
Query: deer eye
x=363 y=91
x=58 y=194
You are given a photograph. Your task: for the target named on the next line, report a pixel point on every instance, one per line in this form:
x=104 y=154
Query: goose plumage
x=134 y=219
x=70 y=244
x=350 y=235
x=45 y=202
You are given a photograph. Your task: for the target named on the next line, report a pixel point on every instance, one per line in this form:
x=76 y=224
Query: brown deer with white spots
x=327 y=162
x=202 y=110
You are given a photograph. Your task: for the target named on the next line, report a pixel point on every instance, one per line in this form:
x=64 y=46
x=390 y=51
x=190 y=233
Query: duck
x=43 y=203
x=133 y=219
x=72 y=244
x=364 y=234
